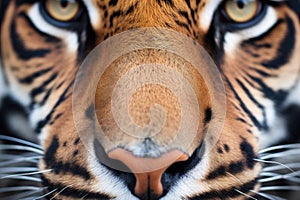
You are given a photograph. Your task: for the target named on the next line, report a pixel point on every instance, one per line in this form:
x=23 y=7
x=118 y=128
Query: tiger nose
x=148 y=171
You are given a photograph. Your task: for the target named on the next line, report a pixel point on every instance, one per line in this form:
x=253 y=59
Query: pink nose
x=148 y=171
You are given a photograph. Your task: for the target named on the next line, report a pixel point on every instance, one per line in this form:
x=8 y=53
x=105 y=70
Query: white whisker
x=60 y=192
x=274 y=162
x=273 y=177
x=246 y=195
x=15 y=156
x=18 y=188
x=47 y=194
x=27 y=195
x=26 y=174
x=274 y=188
x=281 y=154
x=33 y=159
x=17 y=169
x=268 y=196
x=27 y=178
x=287 y=146
x=20 y=141
x=20 y=148
x=279 y=167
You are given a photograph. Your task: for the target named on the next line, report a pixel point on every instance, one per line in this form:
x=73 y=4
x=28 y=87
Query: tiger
x=252 y=48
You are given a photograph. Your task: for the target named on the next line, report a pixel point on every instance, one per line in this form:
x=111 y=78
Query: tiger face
x=254 y=45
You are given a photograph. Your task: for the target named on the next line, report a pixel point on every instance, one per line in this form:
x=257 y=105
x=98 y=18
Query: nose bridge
x=116 y=18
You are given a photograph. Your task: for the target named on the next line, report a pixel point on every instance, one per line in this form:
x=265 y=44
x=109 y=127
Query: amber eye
x=63 y=10
x=241 y=11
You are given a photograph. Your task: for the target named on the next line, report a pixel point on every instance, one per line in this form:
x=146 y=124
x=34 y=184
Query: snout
x=150 y=107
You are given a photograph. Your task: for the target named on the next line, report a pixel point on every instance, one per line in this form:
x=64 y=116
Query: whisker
x=21 y=148
x=47 y=194
x=268 y=196
x=274 y=162
x=34 y=179
x=281 y=154
x=273 y=177
x=26 y=174
x=27 y=195
x=17 y=169
x=274 y=188
x=60 y=192
x=33 y=159
x=286 y=146
x=279 y=167
x=16 y=156
x=20 y=141
x=18 y=188
x=246 y=195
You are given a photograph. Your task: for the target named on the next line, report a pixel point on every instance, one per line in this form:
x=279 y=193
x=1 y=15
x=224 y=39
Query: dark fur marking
x=113 y=2
x=227 y=148
x=59 y=166
x=249 y=154
x=221 y=171
x=244 y=107
x=220 y=151
x=76 y=142
x=286 y=48
x=208 y=115
x=236 y=167
x=29 y=79
x=74 y=192
x=41 y=124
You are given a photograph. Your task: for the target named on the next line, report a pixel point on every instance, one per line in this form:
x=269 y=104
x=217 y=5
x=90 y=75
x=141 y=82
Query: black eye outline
x=231 y=25
x=74 y=24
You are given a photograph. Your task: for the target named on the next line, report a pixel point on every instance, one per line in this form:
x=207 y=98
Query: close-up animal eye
x=63 y=10
x=242 y=11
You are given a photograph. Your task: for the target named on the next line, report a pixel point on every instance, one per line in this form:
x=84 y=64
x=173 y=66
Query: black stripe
x=264 y=36
x=59 y=166
x=168 y=2
x=244 y=107
x=286 y=48
x=113 y=2
x=114 y=15
x=29 y=79
x=41 y=124
x=74 y=192
x=277 y=96
x=20 y=47
x=182 y=24
x=186 y=16
x=41 y=88
x=250 y=96
x=226 y=193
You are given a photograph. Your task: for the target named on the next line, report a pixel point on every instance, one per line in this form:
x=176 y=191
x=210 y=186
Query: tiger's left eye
x=63 y=10
x=241 y=11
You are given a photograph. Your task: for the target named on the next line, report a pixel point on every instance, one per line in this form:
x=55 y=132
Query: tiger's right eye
x=242 y=11
x=63 y=10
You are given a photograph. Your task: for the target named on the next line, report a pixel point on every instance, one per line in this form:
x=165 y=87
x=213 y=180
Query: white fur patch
x=107 y=183
x=207 y=14
x=276 y=133
x=93 y=13
x=70 y=38
x=233 y=40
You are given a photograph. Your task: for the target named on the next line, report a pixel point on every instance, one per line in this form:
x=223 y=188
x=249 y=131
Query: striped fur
x=259 y=65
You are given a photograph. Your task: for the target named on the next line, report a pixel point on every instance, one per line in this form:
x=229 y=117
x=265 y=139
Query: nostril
x=148 y=171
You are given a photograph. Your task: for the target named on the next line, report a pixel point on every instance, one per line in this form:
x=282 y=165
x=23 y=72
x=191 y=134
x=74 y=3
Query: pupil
x=64 y=3
x=241 y=4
